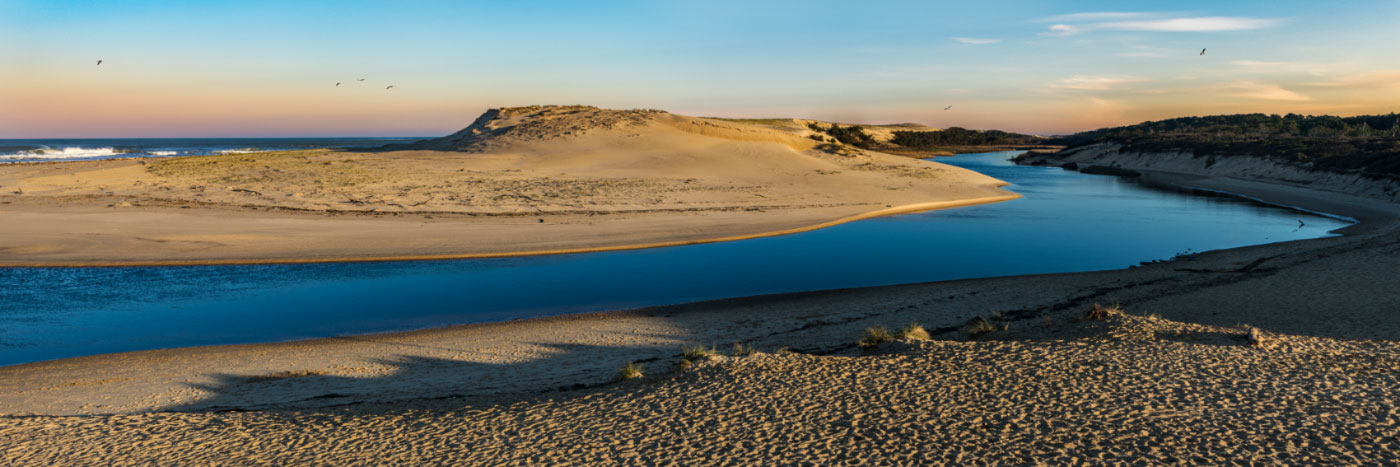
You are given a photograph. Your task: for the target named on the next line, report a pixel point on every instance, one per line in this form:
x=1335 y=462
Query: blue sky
x=270 y=68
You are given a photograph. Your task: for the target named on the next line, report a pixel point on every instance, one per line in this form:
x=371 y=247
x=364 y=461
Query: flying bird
x=361 y=79
x=99 y=63
x=1203 y=51
x=337 y=84
x=390 y=87
x=948 y=107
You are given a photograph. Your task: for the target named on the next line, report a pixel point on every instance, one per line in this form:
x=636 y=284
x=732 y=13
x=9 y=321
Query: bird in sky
x=390 y=87
x=337 y=84
x=99 y=63
x=361 y=79
x=948 y=107
x=1203 y=51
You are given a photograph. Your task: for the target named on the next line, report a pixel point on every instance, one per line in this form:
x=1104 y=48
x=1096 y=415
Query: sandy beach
x=528 y=180
x=1173 y=378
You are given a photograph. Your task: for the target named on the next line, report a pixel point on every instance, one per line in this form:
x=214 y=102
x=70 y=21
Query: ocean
x=41 y=150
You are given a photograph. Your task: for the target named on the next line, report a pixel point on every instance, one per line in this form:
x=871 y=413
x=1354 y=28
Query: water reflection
x=1066 y=222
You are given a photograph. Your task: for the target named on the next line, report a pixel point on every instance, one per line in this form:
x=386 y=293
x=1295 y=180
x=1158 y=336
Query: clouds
x=1094 y=83
x=1374 y=79
x=1077 y=23
x=1205 y=24
x=975 y=41
x=1265 y=91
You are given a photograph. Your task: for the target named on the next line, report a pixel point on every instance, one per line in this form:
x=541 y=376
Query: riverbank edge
x=773 y=308
x=890 y=211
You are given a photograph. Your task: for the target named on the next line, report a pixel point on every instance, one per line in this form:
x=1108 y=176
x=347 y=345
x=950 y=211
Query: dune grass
x=741 y=350
x=914 y=331
x=981 y=326
x=629 y=371
x=1099 y=312
x=874 y=336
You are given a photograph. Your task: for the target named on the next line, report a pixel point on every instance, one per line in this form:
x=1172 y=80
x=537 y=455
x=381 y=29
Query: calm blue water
x=1066 y=222
x=38 y=150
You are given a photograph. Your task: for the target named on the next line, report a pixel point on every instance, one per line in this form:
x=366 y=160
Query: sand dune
x=528 y=179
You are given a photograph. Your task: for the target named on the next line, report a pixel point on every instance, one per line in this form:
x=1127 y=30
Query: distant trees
x=1367 y=143
x=956 y=136
x=1249 y=127
x=852 y=135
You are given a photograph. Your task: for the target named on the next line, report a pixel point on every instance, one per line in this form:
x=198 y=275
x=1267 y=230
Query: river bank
x=1321 y=302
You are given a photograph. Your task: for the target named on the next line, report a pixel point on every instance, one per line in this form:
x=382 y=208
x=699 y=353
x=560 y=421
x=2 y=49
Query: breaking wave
x=65 y=153
x=238 y=151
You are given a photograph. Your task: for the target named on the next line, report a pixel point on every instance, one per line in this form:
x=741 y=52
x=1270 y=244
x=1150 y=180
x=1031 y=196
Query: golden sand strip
x=897 y=210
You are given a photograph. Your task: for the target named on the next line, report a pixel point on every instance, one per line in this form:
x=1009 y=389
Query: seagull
x=361 y=79
x=390 y=87
x=99 y=63
x=948 y=107
x=1300 y=225
x=337 y=84
x=1203 y=51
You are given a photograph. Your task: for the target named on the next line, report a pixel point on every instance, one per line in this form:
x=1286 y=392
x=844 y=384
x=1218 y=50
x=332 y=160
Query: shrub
x=629 y=371
x=914 y=331
x=740 y=350
x=1099 y=312
x=698 y=353
x=980 y=326
x=873 y=336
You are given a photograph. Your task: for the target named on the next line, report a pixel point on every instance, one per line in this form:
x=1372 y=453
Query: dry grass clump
x=914 y=331
x=879 y=334
x=981 y=326
x=629 y=371
x=874 y=335
x=741 y=350
x=698 y=353
x=1099 y=312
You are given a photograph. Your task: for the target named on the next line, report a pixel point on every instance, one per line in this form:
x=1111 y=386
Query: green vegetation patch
x=1368 y=144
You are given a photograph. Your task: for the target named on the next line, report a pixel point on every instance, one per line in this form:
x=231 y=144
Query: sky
x=256 y=68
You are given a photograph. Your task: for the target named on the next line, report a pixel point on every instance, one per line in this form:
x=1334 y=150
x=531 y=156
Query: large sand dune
x=518 y=180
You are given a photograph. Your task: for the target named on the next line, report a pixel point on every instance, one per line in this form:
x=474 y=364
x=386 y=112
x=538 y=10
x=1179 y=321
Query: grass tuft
x=914 y=331
x=698 y=353
x=873 y=336
x=740 y=350
x=1099 y=312
x=629 y=371
x=980 y=326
